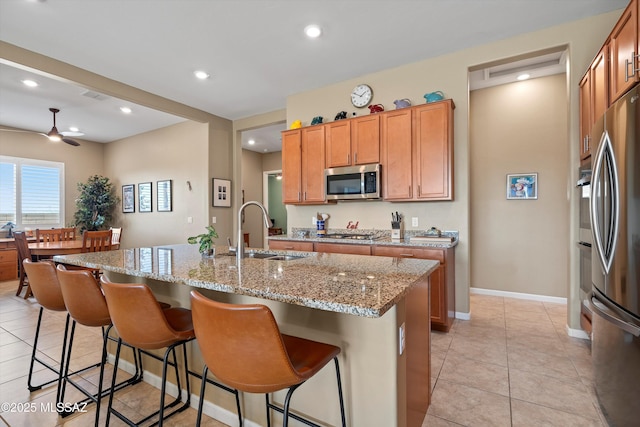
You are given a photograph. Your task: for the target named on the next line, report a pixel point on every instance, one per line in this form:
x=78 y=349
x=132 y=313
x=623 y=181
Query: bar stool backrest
x=243 y=345
x=137 y=315
x=44 y=284
x=83 y=297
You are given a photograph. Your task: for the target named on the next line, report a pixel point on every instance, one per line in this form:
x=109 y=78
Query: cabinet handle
x=407 y=255
x=305 y=195
x=634 y=70
x=419 y=190
x=299 y=196
x=355 y=158
x=348 y=159
x=288 y=247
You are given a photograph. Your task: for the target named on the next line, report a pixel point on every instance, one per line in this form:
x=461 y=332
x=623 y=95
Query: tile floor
x=511 y=365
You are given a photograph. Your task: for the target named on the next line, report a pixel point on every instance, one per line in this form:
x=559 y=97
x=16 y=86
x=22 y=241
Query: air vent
x=95 y=95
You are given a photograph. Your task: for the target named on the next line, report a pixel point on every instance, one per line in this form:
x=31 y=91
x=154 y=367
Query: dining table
x=65 y=247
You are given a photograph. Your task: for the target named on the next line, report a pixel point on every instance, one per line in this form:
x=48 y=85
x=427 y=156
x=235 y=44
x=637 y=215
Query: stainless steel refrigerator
x=615 y=227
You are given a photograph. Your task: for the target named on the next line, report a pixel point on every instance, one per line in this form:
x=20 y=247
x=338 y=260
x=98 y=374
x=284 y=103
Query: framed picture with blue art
x=522 y=186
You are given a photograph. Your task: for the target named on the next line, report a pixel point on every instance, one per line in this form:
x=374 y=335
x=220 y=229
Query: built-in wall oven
x=584 y=243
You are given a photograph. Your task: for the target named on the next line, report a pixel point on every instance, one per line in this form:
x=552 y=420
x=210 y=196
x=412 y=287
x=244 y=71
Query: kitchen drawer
x=409 y=252
x=343 y=248
x=9 y=256
x=8 y=264
x=290 y=245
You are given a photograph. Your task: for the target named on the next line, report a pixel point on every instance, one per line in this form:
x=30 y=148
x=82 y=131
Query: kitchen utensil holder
x=321 y=231
x=397 y=230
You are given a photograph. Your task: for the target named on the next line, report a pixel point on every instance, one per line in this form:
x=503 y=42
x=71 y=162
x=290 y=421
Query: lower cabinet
x=8 y=262
x=443 y=283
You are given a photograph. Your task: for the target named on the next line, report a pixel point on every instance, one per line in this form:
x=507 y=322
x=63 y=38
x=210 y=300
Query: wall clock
x=361 y=95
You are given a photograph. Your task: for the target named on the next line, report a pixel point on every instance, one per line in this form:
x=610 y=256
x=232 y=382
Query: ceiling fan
x=53 y=134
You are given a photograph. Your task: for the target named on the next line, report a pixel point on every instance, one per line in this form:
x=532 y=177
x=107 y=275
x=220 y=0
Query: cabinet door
x=438 y=297
x=313 y=156
x=433 y=138
x=8 y=264
x=365 y=139
x=291 y=166
x=599 y=84
x=395 y=128
x=623 y=45
x=585 y=116
x=338 y=142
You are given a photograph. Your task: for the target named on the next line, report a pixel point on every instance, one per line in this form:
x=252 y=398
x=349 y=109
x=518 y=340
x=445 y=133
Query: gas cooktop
x=353 y=236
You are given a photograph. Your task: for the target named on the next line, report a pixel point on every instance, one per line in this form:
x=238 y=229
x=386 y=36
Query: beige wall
x=252 y=187
x=449 y=73
x=520 y=245
x=178 y=153
x=79 y=162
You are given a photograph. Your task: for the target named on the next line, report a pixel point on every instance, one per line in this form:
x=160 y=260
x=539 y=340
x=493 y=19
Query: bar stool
x=86 y=305
x=242 y=346
x=46 y=290
x=142 y=323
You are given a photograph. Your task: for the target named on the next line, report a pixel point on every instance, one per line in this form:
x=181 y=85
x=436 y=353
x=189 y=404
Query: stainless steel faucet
x=240 y=240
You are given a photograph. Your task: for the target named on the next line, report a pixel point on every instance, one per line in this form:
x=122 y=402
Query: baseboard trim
x=577 y=333
x=518 y=295
x=463 y=316
x=214 y=411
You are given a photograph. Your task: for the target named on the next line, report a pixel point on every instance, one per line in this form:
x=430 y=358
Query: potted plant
x=205 y=240
x=95 y=203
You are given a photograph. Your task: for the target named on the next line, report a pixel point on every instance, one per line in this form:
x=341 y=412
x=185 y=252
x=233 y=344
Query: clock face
x=361 y=95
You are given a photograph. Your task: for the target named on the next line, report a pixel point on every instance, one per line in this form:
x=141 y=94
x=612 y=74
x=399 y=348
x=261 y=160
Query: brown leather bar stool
x=242 y=346
x=86 y=305
x=46 y=290
x=142 y=323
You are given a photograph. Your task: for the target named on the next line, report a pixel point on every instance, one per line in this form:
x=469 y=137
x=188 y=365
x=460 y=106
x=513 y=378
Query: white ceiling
x=254 y=50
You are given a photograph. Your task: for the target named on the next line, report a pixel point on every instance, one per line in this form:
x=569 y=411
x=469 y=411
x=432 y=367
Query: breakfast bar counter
x=376 y=309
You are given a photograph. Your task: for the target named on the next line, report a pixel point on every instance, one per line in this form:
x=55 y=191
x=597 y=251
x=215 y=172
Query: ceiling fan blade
x=71 y=142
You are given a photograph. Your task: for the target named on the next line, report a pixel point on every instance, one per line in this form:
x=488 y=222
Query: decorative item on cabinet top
x=316 y=120
x=402 y=103
x=376 y=108
x=434 y=96
x=341 y=115
x=296 y=125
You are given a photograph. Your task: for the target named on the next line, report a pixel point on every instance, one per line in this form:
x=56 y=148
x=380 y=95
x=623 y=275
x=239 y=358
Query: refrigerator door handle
x=600 y=309
x=605 y=153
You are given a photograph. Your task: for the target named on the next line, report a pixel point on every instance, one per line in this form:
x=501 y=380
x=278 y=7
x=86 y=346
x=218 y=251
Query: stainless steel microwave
x=353 y=182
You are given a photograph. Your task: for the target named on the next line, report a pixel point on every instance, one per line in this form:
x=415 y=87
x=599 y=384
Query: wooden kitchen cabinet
x=623 y=48
x=396 y=155
x=290 y=245
x=586 y=121
x=292 y=166
x=8 y=261
x=303 y=163
x=342 y=248
x=442 y=280
x=353 y=142
x=599 y=84
x=433 y=139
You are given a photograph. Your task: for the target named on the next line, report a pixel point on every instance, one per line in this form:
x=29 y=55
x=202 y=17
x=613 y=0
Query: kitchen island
x=376 y=309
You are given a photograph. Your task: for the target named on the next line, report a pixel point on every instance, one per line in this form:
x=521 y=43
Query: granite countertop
x=378 y=237
x=353 y=284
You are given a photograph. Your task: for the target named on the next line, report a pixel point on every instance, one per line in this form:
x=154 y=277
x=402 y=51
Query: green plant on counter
x=95 y=204
x=205 y=240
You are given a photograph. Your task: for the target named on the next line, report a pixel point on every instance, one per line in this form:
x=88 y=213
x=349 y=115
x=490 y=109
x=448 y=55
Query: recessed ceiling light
x=29 y=83
x=251 y=142
x=201 y=75
x=74 y=129
x=524 y=76
x=312 y=31
x=125 y=110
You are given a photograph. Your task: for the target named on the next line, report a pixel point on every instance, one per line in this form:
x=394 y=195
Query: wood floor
x=511 y=365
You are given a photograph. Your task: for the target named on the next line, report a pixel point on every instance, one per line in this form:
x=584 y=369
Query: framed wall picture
x=128 y=198
x=221 y=189
x=164 y=202
x=522 y=186
x=145 y=197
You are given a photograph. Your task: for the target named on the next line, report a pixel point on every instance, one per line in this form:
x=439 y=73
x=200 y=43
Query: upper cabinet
x=353 y=142
x=613 y=71
x=292 y=166
x=417 y=152
x=623 y=52
x=303 y=165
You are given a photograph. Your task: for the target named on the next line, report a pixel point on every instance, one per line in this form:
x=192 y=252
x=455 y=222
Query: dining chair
x=68 y=233
x=48 y=234
x=96 y=241
x=242 y=346
x=116 y=235
x=24 y=252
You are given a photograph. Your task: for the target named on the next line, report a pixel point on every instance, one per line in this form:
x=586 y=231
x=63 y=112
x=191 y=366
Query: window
x=31 y=193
